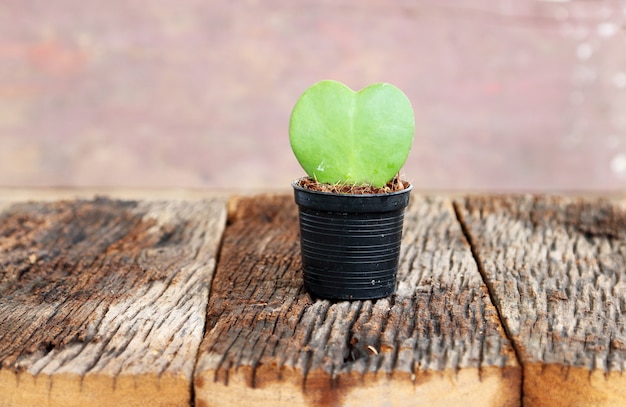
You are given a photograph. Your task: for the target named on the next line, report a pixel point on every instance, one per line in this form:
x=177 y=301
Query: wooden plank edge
x=69 y=390
x=557 y=385
x=491 y=386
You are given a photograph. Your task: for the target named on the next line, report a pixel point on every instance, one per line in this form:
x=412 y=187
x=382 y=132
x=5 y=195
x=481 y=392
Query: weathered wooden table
x=501 y=301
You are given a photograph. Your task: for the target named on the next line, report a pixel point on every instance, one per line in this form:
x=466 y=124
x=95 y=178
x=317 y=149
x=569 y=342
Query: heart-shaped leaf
x=342 y=136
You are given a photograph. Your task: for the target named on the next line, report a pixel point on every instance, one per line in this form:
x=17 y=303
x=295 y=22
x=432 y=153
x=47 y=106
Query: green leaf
x=342 y=136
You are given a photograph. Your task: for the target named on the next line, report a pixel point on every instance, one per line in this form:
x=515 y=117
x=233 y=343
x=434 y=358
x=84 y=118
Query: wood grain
x=556 y=268
x=103 y=302
x=438 y=341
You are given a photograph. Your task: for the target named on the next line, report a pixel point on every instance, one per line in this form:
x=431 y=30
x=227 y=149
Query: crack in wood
x=490 y=290
x=554 y=266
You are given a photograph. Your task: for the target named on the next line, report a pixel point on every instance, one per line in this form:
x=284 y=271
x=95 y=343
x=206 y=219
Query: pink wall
x=508 y=95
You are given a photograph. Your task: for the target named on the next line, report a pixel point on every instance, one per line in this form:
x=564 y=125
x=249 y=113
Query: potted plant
x=351 y=206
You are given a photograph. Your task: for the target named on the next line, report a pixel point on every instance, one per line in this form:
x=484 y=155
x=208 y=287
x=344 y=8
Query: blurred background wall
x=509 y=95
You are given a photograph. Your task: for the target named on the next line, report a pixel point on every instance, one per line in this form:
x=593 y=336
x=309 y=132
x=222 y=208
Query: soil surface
x=395 y=185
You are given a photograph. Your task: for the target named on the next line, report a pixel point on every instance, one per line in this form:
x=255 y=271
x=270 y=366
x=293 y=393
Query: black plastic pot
x=350 y=243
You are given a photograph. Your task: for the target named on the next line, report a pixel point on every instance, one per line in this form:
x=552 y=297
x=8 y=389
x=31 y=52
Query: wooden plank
x=15 y=195
x=557 y=270
x=102 y=303
x=4 y=205
x=438 y=341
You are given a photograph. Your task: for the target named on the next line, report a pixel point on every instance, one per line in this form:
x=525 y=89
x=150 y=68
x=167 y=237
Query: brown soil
x=395 y=185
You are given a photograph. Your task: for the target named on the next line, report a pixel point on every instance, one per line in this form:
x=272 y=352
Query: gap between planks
x=556 y=269
x=479 y=264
